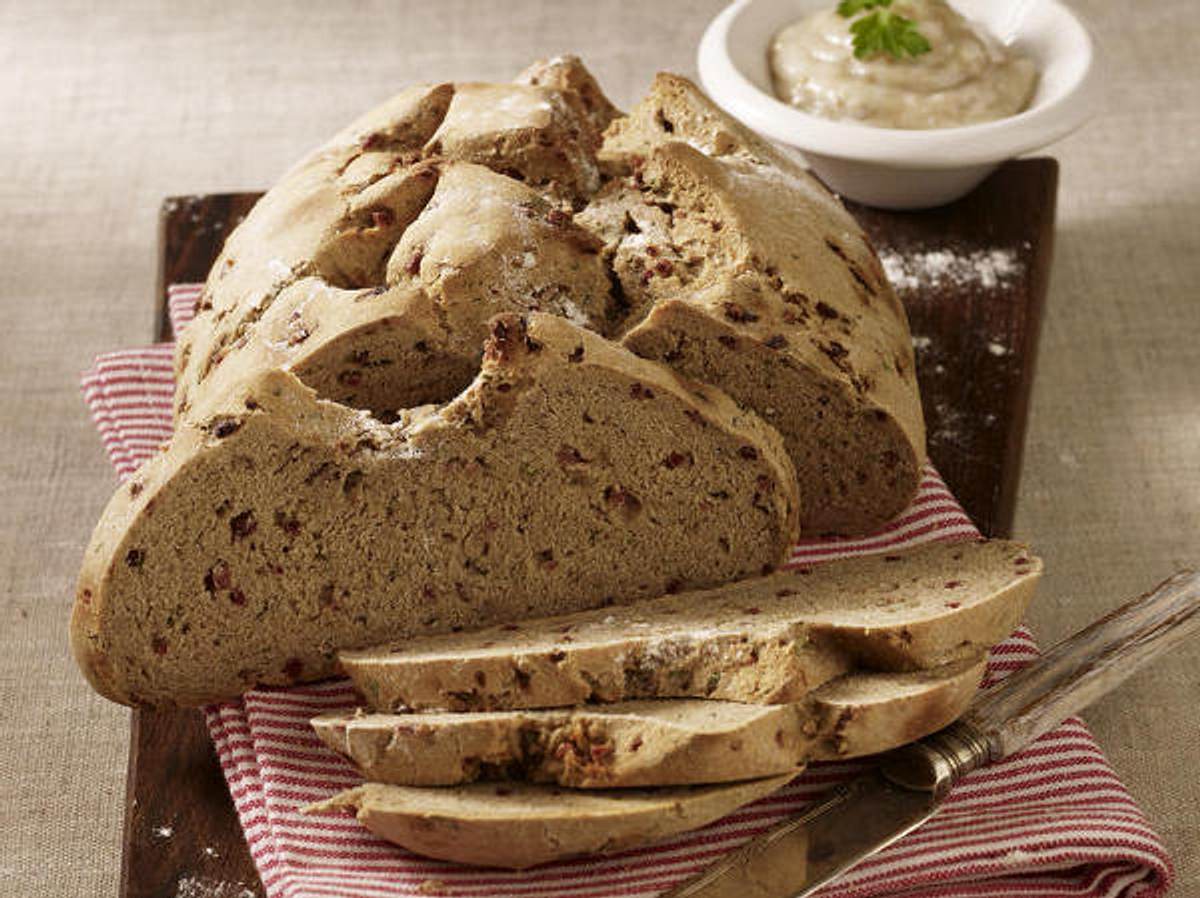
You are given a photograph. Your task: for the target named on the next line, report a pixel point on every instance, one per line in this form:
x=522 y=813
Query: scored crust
x=337 y=219
x=261 y=541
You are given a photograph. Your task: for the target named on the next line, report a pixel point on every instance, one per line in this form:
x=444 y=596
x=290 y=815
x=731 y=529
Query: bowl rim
x=978 y=144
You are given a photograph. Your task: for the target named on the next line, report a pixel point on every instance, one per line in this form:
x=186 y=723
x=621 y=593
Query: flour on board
x=985 y=269
x=203 y=887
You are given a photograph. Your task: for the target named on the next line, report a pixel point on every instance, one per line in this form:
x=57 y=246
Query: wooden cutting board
x=973 y=277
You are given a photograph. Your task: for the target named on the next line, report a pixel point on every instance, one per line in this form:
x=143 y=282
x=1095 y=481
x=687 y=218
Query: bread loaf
x=351 y=309
x=768 y=639
x=658 y=742
x=518 y=825
x=285 y=527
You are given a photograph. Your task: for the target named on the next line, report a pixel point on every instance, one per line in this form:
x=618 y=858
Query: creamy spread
x=966 y=77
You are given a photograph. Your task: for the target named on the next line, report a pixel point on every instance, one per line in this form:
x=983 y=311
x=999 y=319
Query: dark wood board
x=976 y=346
x=977 y=335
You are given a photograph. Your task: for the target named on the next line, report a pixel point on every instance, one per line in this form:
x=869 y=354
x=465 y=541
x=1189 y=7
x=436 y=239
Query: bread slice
x=741 y=271
x=519 y=825
x=768 y=639
x=284 y=527
x=865 y=713
x=655 y=742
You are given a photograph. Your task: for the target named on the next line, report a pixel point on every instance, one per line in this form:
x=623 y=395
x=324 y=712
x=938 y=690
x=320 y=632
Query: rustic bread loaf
x=656 y=742
x=368 y=276
x=768 y=639
x=518 y=825
x=285 y=527
x=741 y=271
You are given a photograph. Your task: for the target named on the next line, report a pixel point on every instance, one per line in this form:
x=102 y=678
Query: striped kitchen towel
x=1054 y=821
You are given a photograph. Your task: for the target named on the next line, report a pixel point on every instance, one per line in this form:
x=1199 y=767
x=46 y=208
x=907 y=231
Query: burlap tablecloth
x=107 y=108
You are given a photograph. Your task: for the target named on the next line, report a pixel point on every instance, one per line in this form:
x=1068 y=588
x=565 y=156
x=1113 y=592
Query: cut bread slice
x=655 y=742
x=519 y=825
x=286 y=527
x=768 y=639
x=870 y=712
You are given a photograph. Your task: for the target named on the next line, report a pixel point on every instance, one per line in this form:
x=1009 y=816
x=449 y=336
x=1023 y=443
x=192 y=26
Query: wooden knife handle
x=1085 y=666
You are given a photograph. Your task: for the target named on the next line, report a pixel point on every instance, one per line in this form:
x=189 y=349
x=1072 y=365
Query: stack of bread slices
x=498 y=353
x=607 y=729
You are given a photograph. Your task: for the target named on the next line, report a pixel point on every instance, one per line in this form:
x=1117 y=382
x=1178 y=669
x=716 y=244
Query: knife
x=853 y=821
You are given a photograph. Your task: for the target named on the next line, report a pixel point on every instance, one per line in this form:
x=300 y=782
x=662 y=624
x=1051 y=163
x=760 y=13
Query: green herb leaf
x=848 y=8
x=884 y=31
x=911 y=41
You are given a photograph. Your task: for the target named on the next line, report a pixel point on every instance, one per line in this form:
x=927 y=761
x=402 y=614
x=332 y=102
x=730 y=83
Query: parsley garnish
x=881 y=30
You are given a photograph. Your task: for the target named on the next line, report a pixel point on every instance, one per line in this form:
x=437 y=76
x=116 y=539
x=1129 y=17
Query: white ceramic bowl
x=893 y=168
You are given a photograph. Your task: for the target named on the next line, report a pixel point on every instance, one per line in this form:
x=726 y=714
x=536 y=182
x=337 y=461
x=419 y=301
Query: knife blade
x=851 y=821
x=858 y=818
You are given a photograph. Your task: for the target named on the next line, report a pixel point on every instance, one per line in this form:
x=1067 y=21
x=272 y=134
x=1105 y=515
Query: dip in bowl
x=913 y=166
x=941 y=70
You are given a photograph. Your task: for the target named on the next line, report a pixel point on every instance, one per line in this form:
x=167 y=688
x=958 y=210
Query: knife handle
x=1083 y=667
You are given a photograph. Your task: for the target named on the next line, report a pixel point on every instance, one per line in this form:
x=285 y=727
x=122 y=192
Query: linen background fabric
x=106 y=108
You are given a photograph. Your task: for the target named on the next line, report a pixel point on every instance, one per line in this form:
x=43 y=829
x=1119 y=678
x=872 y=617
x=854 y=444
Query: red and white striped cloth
x=1052 y=822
